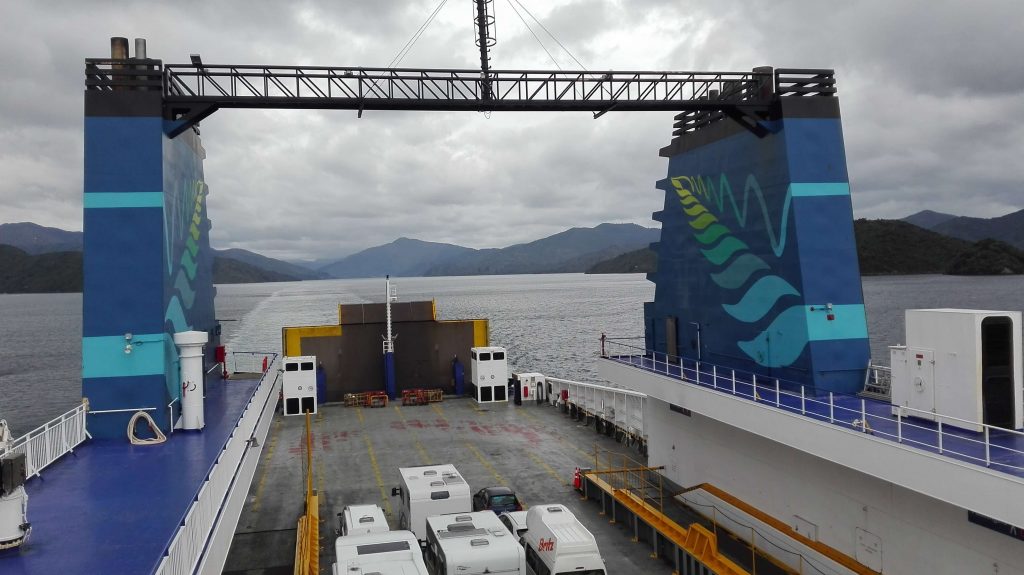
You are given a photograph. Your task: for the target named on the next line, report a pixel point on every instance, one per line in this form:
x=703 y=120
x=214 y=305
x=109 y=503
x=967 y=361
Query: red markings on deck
x=322 y=441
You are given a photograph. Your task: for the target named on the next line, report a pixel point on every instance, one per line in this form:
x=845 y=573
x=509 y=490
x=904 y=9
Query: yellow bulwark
x=291 y=337
x=307 y=542
x=480 y=338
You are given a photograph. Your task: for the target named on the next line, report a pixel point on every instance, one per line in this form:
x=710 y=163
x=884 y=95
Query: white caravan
x=429 y=490
x=391 y=552
x=472 y=544
x=363 y=520
x=556 y=543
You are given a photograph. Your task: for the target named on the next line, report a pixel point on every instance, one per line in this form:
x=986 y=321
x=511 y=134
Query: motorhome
x=391 y=552
x=363 y=520
x=471 y=544
x=556 y=543
x=429 y=490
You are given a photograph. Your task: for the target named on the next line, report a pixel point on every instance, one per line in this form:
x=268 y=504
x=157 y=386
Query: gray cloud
x=929 y=89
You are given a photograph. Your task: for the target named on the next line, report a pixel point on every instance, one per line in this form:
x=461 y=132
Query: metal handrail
x=251 y=361
x=834 y=408
x=48 y=442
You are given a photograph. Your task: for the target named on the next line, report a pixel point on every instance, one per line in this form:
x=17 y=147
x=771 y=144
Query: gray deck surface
x=532 y=449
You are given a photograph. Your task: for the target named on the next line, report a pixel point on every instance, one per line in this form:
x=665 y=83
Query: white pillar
x=190 y=355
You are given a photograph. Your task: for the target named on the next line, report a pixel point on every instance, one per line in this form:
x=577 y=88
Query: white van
x=429 y=490
x=391 y=552
x=363 y=520
x=556 y=543
x=472 y=544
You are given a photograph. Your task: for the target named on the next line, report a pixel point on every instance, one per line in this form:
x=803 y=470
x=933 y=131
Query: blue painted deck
x=1005 y=450
x=113 y=507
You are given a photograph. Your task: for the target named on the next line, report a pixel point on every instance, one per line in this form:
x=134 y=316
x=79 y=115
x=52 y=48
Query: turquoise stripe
x=849 y=323
x=820 y=189
x=104 y=356
x=124 y=200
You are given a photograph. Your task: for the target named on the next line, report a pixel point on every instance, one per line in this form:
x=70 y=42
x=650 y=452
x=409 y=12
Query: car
x=515 y=521
x=496 y=499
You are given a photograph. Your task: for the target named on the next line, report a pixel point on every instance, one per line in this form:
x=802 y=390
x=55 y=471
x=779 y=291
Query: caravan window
x=472 y=354
x=499 y=355
x=439 y=495
x=307 y=366
x=485 y=357
x=291 y=367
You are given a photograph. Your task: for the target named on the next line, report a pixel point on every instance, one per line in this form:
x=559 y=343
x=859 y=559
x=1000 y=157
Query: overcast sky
x=932 y=93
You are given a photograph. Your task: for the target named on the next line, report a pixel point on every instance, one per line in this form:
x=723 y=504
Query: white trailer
x=429 y=490
x=391 y=552
x=488 y=372
x=298 y=386
x=472 y=544
x=556 y=542
x=363 y=520
x=960 y=366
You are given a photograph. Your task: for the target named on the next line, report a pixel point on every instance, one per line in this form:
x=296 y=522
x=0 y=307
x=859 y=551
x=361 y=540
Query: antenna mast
x=485 y=38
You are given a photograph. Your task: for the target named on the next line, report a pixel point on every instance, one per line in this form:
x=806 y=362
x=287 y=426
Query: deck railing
x=989 y=446
x=249 y=361
x=189 y=543
x=623 y=407
x=48 y=442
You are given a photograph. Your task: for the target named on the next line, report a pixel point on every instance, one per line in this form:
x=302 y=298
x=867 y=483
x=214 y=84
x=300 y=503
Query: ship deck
x=113 y=507
x=998 y=450
x=532 y=449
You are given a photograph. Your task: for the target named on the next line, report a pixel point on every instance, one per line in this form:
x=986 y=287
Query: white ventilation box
x=962 y=364
x=532 y=386
x=488 y=369
x=299 y=385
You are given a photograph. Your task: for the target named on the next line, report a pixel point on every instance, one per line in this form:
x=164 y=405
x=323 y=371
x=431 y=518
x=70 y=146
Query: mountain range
x=38 y=258
x=573 y=250
x=1008 y=228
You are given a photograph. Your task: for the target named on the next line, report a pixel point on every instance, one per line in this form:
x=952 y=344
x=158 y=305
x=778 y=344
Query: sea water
x=550 y=323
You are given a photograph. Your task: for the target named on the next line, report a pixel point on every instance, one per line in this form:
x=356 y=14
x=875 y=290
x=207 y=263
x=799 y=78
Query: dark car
x=496 y=499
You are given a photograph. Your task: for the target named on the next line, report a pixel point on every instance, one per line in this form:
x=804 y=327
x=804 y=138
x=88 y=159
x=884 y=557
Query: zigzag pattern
x=735 y=264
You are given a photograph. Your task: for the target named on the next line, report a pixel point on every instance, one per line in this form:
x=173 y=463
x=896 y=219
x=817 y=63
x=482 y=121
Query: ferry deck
x=534 y=449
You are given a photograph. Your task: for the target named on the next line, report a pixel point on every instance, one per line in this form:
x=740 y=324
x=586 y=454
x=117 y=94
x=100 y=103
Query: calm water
x=550 y=323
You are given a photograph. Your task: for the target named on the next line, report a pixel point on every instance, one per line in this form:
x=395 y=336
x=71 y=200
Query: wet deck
x=532 y=449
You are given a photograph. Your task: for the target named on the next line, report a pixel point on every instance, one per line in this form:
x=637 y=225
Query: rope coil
x=159 y=435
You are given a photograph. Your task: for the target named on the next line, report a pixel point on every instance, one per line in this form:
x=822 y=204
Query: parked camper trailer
x=429 y=490
x=471 y=544
x=363 y=520
x=391 y=552
x=556 y=543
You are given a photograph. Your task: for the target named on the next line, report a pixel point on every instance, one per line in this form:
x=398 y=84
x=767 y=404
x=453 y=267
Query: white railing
x=623 y=407
x=249 y=361
x=188 y=544
x=969 y=441
x=48 y=442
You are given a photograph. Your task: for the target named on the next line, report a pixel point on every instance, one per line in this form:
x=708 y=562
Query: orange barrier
x=307 y=543
x=376 y=399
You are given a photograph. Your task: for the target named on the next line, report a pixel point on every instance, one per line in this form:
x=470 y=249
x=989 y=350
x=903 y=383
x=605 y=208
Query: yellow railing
x=307 y=542
x=694 y=539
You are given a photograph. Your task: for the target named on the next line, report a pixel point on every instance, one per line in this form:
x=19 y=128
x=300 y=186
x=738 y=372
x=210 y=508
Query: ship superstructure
x=756 y=363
